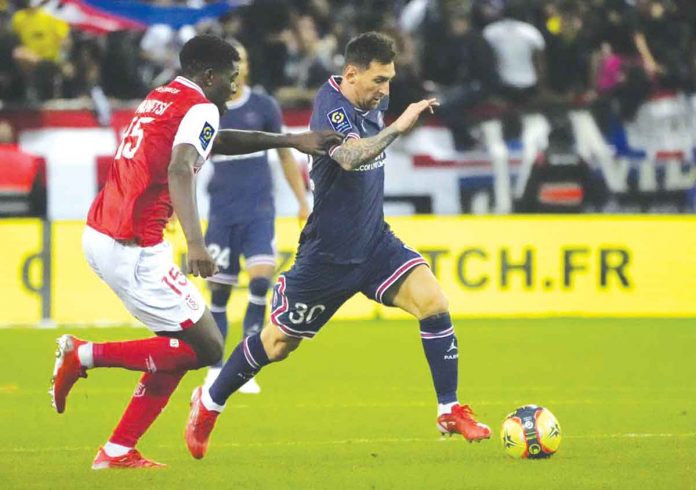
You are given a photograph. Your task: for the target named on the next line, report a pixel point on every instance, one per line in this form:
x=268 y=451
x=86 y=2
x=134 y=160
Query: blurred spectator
x=484 y=12
x=517 y=45
x=82 y=75
x=267 y=35
x=463 y=67
x=43 y=38
x=441 y=24
x=231 y=26
x=309 y=64
x=407 y=86
x=620 y=71
x=568 y=52
x=120 y=66
x=10 y=79
x=664 y=43
x=82 y=69
x=159 y=50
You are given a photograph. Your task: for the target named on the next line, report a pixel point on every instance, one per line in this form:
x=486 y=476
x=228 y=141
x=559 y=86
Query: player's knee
x=220 y=293
x=434 y=304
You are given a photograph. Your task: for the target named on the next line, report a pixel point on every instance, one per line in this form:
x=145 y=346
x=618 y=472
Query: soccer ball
x=530 y=432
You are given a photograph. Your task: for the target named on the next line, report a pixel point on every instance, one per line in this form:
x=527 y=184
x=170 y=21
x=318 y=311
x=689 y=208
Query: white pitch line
x=341 y=442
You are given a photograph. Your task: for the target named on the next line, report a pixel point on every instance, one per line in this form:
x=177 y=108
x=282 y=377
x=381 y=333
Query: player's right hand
x=316 y=142
x=408 y=118
x=200 y=263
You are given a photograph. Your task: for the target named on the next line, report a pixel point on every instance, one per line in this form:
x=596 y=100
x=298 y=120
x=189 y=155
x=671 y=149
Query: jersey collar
x=237 y=103
x=335 y=83
x=371 y=115
x=185 y=81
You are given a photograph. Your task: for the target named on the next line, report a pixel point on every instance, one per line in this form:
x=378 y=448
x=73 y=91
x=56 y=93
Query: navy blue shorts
x=307 y=296
x=255 y=240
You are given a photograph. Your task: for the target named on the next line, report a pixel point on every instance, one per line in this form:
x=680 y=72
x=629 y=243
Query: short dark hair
x=203 y=52
x=368 y=47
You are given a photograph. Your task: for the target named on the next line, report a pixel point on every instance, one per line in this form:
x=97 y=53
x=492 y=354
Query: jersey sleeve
x=338 y=115
x=198 y=128
x=273 y=121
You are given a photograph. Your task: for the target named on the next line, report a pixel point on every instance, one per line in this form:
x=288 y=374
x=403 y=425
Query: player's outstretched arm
x=238 y=142
x=356 y=152
x=182 y=191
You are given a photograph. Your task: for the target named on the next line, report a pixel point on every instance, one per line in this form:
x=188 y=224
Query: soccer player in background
x=168 y=140
x=242 y=214
x=347 y=247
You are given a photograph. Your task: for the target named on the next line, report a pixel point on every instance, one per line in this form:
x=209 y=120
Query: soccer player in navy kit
x=242 y=213
x=346 y=247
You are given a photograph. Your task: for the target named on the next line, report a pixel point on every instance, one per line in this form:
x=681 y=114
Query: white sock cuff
x=85 y=354
x=114 y=450
x=443 y=408
x=208 y=402
x=257 y=300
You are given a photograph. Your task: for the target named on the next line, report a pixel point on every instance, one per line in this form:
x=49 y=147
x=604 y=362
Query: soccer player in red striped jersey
x=170 y=137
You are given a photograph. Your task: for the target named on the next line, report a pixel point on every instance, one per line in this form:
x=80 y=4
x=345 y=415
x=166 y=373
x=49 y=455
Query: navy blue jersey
x=348 y=217
x=241 y=186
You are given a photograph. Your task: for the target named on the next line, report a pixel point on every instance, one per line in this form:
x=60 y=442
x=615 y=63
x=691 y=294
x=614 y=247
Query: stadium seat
x=22 y=182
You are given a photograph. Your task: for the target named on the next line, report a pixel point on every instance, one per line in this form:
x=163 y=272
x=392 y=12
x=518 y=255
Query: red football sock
x=156 y=354
x=150 y=397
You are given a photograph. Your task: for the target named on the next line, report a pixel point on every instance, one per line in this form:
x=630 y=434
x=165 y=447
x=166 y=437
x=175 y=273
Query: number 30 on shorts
x=305 y=314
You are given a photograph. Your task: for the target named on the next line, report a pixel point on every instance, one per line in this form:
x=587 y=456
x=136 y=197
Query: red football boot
x=461 y=421
x=132 y=459
x=199 y=426
x=66 y=371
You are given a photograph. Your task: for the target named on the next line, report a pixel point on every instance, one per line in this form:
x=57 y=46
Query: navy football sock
x=218 y=307
x=256 y=309
x=440 y=346
x=246 y=360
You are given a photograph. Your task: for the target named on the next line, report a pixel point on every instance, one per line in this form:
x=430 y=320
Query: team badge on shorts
x=191 y=302
x=206 y=135
x=339 y=120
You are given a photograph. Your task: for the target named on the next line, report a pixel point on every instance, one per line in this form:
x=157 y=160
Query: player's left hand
x=316 y=142
x=200 y=263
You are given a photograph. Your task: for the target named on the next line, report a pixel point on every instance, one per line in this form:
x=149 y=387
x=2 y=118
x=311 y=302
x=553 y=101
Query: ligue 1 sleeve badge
x=206 y=135
x=339 y=120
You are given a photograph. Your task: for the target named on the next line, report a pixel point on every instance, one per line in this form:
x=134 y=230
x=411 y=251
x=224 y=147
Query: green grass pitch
x=354 y=408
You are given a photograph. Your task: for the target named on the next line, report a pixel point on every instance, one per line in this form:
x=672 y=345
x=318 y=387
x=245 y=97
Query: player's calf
x=219 y=297
x=276 y=344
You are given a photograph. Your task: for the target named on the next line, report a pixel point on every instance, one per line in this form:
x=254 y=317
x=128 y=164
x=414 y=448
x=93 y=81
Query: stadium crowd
x=621 y=48
x=483 y=59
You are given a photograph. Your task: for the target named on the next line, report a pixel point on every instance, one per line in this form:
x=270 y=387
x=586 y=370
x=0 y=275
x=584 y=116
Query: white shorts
x=146 y=279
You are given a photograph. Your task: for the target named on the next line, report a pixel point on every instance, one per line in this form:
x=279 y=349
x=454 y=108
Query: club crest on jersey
x=206 y=135
x=339 y=120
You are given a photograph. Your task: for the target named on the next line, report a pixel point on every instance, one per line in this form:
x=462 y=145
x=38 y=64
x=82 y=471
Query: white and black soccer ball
x=531 y=432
